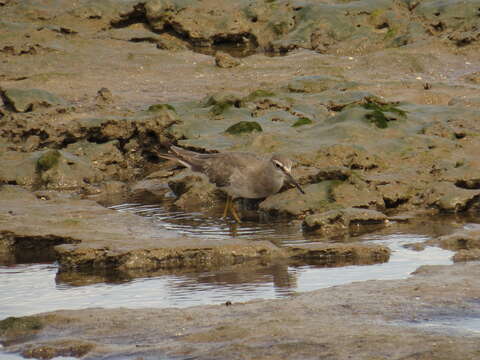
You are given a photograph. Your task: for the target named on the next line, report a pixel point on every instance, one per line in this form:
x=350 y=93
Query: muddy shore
x=376 y=101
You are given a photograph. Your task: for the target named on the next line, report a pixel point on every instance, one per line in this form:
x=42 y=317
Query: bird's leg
x=233 y=229
x=234 y=212
x=227 y=205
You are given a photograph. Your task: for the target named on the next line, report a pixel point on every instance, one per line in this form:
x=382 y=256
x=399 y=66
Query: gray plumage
x=239 y=174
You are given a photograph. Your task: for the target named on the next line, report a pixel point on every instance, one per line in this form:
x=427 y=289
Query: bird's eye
x=278 y=165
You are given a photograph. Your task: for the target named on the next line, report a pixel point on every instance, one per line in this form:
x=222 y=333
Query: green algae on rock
x=48 y=160
x=302 y=121
x=19 y=327
x=243 y=127
x=160 y=107
x=62 y=348
x=20 y=324
x=378 y=111
x=258 y=94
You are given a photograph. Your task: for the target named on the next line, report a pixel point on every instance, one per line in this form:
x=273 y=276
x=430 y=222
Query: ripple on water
x=196 y=224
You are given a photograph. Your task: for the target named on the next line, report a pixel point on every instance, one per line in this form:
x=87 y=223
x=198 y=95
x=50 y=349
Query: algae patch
x=258 y=94
x=48 y=160
x=220 y=108
x=18 y=326
x=302 y=121
x=378 y=110
x=160 y=107
x=243 y=127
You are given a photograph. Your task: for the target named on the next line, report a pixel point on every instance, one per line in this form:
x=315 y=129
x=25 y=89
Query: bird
x=239 y=174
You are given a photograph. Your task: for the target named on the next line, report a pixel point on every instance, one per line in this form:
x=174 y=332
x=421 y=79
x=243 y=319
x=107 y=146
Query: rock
x=313 y=84
x=466 y=255
x=67 y=348
x=452 y=18
x=348 y=156
x=415 y=246
x=450 y=198
x=80 y=234
x=32 y=143
x=463 y=240
x=104 y=95
x=169 y=42
x=243 y=127
x=473 y=77
x=194 y=191
x=159 y=12
x=345 y=221
x=236 y=24
x=23 y=100
x=52 y=169
x=18 y=328
x=15 y=192
x=151 y=189
x=357 y=195
x=105 y=157
x=62 y=170
x=322 y=254
x=321 y=39
x=114 y=188
x=225 y=61
x=302 y=121
x=290 y=202
x=394 y=194
x=18 y=168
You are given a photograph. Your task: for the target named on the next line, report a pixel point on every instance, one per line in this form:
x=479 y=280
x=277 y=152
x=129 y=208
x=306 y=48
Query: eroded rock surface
x=377 y=101
x=81 y=234
x=362 y=102
x=343 y=221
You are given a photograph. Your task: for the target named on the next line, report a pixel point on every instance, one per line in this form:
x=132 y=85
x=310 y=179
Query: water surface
x=27 y=289
x=32 y=288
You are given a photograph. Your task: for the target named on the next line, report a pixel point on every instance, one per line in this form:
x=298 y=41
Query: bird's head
x=284 y=165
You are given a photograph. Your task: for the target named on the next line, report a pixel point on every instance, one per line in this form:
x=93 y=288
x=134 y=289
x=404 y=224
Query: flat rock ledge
x=344 y=221
x=465 y=243
x=339 y=253
x=82 y=235
x=181 y=254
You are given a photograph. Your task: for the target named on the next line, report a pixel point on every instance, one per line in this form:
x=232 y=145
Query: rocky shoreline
x=364 y=320
x=376 y=101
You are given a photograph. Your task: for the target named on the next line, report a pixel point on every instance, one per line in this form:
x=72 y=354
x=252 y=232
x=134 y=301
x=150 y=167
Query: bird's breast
x=256 y=185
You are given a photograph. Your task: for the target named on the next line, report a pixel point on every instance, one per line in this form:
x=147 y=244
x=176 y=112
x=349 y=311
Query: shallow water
x=27 y=289
x=32 y=288
x=452 y=325
x=11 y=356
x=194 y=224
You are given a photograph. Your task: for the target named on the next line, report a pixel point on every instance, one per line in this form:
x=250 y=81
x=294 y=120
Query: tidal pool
x=27 y=289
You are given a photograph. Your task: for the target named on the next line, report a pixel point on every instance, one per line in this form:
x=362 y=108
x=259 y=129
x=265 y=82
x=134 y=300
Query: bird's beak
x=294 y=182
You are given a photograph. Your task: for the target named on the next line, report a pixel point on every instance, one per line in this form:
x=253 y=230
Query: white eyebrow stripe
x=282 y=166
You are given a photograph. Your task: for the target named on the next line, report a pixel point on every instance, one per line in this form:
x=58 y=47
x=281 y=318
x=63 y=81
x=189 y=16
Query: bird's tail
x=179 y=155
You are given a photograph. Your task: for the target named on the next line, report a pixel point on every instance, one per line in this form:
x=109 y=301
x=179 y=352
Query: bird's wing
x=222 y=166
x=218 y=167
